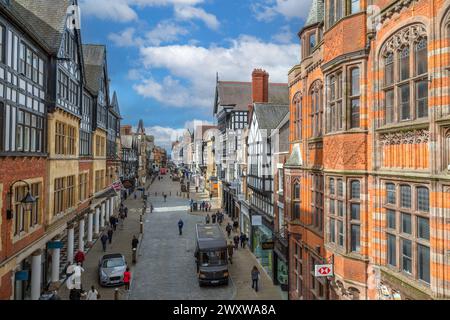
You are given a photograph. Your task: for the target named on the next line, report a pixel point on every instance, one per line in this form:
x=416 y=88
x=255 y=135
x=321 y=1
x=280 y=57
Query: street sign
x=268 y=245
x=55 y=245
x=324 y=270
x=256 y=220
x=22 y=275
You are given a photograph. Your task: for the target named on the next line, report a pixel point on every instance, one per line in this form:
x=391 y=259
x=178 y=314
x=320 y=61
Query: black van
x=211 y=255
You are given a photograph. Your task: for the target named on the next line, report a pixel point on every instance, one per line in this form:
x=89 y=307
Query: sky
x=164 y=55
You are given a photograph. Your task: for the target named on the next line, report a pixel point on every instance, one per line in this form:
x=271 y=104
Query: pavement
x=165 y=267
x=121 y=243
x=243 y=262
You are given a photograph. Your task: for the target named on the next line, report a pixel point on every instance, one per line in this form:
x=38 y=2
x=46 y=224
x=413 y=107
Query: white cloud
x=191 y=13
x=165 y=31
x=197 y=66
x=284 y=36
x=117 y=10
x=287 y=8
x=122 y=10
x=126 y=38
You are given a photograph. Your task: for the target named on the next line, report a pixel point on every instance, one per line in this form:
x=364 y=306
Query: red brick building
x=368 y=178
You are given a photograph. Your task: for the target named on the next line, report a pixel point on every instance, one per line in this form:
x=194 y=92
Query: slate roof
x=316 y=13
x=270 y=115
x=45 y=19
x=239 y=94
x=115 y=105
x=93 y=56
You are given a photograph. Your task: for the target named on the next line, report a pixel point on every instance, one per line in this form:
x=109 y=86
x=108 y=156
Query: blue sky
x=163 y=55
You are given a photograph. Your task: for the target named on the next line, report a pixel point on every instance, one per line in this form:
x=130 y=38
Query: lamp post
x=27 y=202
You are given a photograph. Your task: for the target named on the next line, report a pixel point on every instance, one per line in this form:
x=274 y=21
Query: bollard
x=134 y=255
x=116 y=294
x=142 y=227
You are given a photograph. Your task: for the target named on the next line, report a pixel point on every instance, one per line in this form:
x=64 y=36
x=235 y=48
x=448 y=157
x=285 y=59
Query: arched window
x=316 y=109
x=405 y=85
x=296 y=201
x=298 y=120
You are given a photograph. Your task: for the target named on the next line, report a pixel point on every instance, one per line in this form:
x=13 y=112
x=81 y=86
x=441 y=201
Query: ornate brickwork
x=405 y=137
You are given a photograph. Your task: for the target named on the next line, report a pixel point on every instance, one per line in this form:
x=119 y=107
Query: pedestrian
x=228 y=228
x=127 y=279
x=151 y=208
x=208 y=218
x=235 y=225
x=75 y=294
x=111 y=221
x=242 y=239
x=116 y=222
x=180 y=226
x=104 y=240
x=255 y=278
x=210 y=196
x=126 y=212
x=165 y=197
x=92 y=294
x=236 y=242
x=79 y=257
x=214 y=217
x=110 y=234
x=134 y=243
x=230 y=252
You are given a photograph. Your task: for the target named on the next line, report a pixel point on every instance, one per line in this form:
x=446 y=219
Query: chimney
x=260 y=86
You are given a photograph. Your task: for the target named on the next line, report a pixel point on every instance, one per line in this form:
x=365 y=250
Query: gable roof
x=94 y=57
x=45 y=19
x=239 y=94
x=270 y=115
x=115 y=105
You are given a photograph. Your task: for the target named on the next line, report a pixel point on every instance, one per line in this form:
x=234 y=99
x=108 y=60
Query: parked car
x=111 y=269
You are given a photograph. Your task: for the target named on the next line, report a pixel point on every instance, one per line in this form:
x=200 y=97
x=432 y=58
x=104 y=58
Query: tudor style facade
x=367 y=180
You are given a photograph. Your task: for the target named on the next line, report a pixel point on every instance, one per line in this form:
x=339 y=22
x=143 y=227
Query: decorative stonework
x=405 y=137
x=404 y=37
x=397 y=8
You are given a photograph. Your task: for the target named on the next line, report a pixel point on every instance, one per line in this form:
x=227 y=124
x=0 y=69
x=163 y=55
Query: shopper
x=104 y=240
x=92 y=294
x=255 y=278
x=110 y=234
x=127 y=279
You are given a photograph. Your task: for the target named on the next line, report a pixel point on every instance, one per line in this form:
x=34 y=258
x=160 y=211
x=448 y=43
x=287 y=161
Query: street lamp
x=27 y=202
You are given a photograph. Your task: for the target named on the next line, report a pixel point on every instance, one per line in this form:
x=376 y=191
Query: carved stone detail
x=402 y=4
x=404 y=38
x=405 y=137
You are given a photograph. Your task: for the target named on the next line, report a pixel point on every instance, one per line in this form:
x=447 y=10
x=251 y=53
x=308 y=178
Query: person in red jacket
x=127 y=279
x=79 y=257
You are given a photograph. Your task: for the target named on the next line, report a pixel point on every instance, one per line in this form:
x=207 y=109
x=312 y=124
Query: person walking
x=127 y=279
x=236 y=242
x=208 y=219
x=110 y=234
x=228 y=229
x=255 y=278
x=134 y=243
x=230 y=251
x=125 y=211
x=92 y=294
x=180 y=226
x=210 y=196
x=111 y=221
x=214 y=217
x=79 y=257
x=243 y=238
x=235 y=225
x=104 y=240
x=165 y=197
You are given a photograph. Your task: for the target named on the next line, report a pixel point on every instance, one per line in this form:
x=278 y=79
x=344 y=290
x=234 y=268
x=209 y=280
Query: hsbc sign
x=324 y=270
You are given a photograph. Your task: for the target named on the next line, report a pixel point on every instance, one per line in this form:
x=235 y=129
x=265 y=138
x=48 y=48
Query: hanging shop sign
x=323 y=270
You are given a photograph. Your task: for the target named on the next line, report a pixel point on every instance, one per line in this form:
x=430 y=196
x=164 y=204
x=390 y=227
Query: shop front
x=261 y=236
x=244 y=223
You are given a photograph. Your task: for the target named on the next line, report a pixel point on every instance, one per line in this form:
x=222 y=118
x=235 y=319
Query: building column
x=36 y=274
x=90 y=228
x=70 y=243
x=81 y=235
x=111 y=206
x=97 y=221
x=107 y=211
x=56 y=253
x=102 y=217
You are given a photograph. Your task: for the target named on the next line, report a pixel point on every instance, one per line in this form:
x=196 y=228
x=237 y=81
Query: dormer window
x=312 y=41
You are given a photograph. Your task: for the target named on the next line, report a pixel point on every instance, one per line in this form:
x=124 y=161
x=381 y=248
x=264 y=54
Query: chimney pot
x=260 y=86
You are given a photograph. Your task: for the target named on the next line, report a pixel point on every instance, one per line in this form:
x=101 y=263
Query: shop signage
x=256 y=220
x=268 y=245
x=55 y=245
x=323 y=270
x=22 y=275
